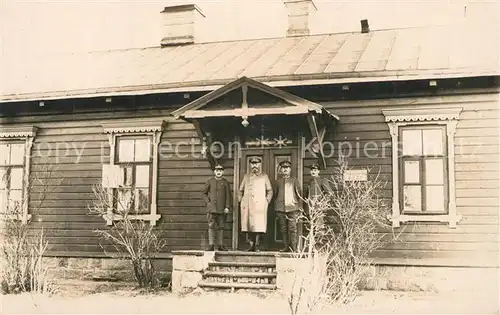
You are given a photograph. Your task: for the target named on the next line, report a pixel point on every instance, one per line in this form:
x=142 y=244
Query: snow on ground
x=125 y=300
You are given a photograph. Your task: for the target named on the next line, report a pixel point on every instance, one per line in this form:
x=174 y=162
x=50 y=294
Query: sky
x=48 y=26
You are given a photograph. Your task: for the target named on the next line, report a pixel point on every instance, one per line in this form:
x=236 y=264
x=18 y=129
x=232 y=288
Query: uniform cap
x=314 y=167
x=218 y=166
x=285 y=163
x=255 y=159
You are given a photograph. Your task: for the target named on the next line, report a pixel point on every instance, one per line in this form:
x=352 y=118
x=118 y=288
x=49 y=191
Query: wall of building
x=75 y=145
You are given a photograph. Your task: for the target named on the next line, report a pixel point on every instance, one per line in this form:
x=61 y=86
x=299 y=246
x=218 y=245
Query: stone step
x=241 y=266
x=240 y=277
x=239 y=256
x=236 y=285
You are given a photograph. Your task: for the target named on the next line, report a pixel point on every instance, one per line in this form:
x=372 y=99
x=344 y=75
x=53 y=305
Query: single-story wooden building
x=418 y=105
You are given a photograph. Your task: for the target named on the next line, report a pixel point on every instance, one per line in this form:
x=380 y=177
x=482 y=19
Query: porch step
x=238 y=256
x=240 y=277
x=219 y=285
x=240 y=274
x=226 y=266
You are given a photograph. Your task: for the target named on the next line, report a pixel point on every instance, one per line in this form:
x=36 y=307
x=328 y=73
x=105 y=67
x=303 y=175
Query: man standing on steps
x=255 y=193
x=287 y=206
x=217 y=195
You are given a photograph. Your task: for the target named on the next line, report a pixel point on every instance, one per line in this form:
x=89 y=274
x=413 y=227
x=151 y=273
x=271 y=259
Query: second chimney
x=298 y=16
x=179 y=24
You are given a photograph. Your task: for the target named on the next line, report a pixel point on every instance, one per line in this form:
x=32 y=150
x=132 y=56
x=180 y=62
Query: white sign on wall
x=356 y=175
x=112 y=176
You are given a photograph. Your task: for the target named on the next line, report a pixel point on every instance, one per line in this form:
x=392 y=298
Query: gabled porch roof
x=294 y=104
x=318 y=118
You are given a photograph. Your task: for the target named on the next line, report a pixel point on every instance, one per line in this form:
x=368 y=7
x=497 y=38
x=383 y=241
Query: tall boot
x=251 y=241
x=211 y=236
x=257 y=242
x=221 y=240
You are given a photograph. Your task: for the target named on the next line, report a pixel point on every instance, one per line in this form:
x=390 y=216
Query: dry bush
x=342 y=231
x=23 y=268
x=136 y=241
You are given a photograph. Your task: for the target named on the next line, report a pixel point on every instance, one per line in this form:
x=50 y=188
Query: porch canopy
x=248 y=109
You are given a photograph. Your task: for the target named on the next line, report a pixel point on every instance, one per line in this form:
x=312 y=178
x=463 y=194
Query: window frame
x=422 y=170
x=136 y=129
x=26 y=136
x=447 y=118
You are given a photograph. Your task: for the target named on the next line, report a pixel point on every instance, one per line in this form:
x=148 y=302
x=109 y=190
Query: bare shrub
x=344 y=227
x=134 y=240
x=23 y=267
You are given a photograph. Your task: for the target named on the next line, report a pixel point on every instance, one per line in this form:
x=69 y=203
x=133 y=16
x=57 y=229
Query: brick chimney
x=298 y=16
x=179 y=24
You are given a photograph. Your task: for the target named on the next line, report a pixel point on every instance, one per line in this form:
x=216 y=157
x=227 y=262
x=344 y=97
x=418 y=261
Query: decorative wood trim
x=18 y=132
x=421 y=114
x=246 y=112
x=152 y=128
x=133 y=126
x=313 y=127
x=397 y=117
x=205 y=141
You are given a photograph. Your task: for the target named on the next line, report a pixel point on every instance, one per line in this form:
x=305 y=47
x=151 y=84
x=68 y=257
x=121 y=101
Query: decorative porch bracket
x=205 y=140
x=318 y=133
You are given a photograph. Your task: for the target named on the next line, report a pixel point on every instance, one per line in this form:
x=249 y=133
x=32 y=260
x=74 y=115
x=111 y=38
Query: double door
x=271 y=158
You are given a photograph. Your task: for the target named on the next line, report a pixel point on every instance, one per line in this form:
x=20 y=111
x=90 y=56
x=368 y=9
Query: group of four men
x=254 y=195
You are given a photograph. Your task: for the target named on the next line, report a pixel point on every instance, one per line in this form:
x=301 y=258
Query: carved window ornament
x=152 y=129
x=402 y=117
x=26 y=134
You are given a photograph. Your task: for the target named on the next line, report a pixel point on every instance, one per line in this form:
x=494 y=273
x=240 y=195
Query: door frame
x=237 y=177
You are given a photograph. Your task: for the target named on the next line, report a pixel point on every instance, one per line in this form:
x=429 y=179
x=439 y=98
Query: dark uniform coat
x=280 y=204
x=217 y=195
x=317 y=186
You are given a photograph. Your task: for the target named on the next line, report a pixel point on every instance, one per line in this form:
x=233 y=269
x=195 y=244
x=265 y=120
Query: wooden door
x=271 y=158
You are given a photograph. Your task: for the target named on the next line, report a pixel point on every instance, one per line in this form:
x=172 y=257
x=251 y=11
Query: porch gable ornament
x=399 y=117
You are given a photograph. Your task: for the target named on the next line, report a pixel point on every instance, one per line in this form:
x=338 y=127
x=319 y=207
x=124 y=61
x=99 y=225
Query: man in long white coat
x=255 y=194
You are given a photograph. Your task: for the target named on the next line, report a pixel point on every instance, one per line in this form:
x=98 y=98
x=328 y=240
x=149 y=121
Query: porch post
x=236 y=186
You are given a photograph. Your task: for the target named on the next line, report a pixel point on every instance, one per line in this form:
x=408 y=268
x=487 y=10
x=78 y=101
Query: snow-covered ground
x=124 y=300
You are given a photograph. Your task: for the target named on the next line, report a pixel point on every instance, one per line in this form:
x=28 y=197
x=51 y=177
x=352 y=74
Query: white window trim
x=398 y=117
x=145 y=128
x=28 y=135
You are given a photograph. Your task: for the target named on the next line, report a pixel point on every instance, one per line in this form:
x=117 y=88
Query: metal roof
x=385 y=55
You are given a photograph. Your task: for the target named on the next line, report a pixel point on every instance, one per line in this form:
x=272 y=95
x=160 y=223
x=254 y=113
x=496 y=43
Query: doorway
x=271 y=158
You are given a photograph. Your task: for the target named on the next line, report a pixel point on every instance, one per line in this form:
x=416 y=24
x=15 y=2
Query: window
x=132 y=175
x=423 y=164
x=15 y=151
x=134 y=157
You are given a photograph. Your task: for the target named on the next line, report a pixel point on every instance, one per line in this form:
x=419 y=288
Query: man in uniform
x=317 y=186
x=217 y=195
x=315 y=190
x=255 y=193
x=287 y=206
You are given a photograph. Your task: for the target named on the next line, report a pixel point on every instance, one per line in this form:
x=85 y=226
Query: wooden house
x=169 y=112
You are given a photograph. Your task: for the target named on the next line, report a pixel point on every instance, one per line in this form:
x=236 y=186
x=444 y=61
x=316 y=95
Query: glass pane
x=412 y=198
x=142 y=176
x=142 y=200
x=125 y=150
x=412 y=172
x=434 y=198
x=4 y=154
x=434 y=172
x=17 y=154
x=142 y=150
x=124 y=200
x=16 y=178
x=433 y=142
x=3 y=178
x=412 y=142
x=15 y=200
x=3 y=201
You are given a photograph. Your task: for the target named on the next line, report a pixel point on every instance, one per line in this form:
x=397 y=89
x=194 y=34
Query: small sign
x=112 y=176
x=356 y=175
